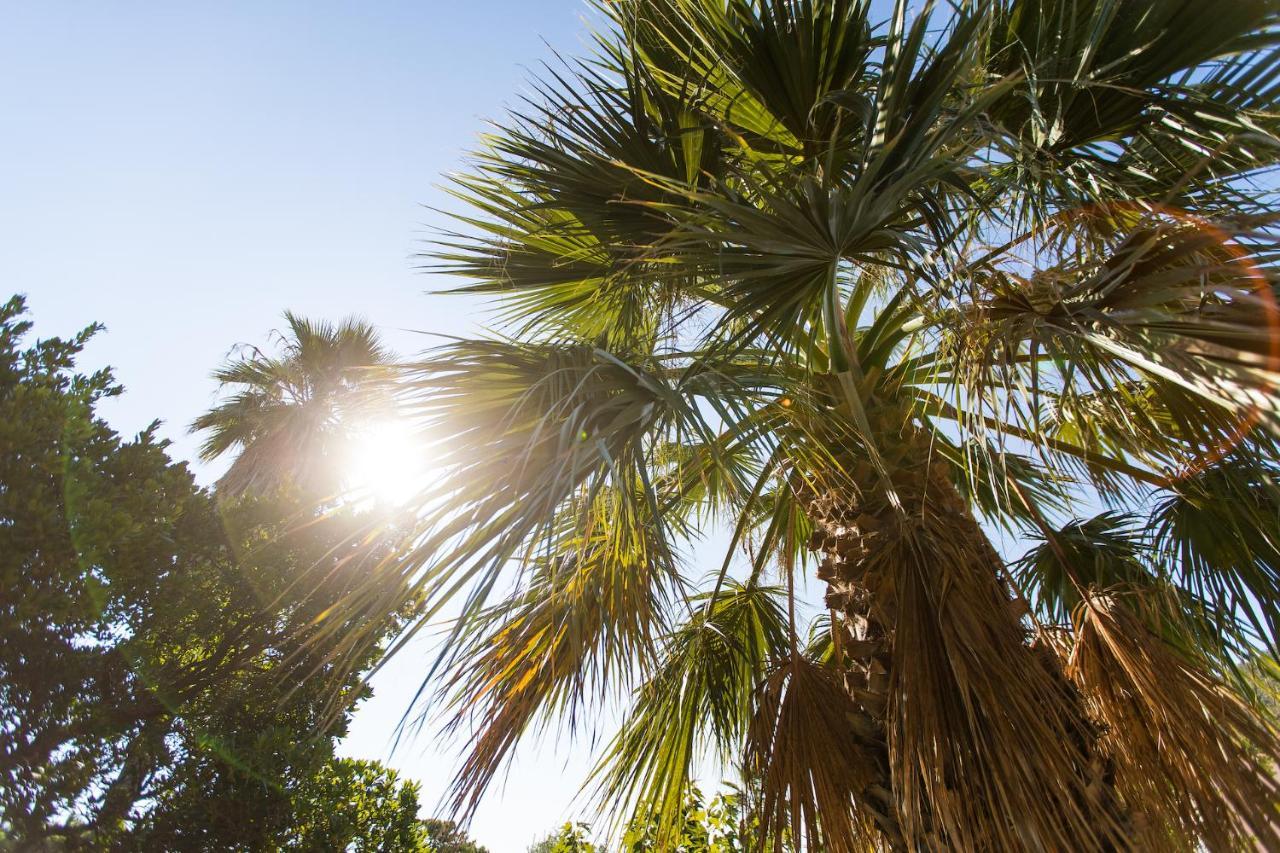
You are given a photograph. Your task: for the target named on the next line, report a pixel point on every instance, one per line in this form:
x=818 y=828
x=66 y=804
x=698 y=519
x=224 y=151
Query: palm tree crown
x=292 y=413
x=860 y=291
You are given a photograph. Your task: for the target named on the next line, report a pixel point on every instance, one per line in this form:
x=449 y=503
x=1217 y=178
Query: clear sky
x=185 y=171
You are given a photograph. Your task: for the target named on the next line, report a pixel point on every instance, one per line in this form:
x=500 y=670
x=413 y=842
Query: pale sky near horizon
x=184 y=172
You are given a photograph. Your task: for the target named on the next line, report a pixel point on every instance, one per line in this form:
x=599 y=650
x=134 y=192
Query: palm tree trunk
x=862 y=641
x=928 y=629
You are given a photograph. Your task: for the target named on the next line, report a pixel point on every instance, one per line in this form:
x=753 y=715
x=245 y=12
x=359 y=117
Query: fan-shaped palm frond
x=1130 y=100
x=1221 y=528
x=1113 y=551
x=584 y=627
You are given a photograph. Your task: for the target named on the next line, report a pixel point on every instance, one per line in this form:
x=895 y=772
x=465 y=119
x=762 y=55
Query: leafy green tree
x=358 y=806
x=164 y=680
x=570 y=838
x=863 y=291
x=289 y=416
x=715 y=826
x=445 y=836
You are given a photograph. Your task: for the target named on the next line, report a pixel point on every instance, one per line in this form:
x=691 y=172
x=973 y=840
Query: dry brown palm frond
x=1190 y=755
x=810 y=764
x=989 y=748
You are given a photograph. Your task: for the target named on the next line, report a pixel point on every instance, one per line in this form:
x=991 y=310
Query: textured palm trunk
x=862 y=646
x=864 y=592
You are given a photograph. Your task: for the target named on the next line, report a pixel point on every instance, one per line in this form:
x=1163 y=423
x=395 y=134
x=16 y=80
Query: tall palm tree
x=862 y=293
x=290 y=415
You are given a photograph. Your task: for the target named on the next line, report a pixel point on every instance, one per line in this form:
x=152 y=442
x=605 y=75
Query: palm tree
x=862 y=293
x=292 y=414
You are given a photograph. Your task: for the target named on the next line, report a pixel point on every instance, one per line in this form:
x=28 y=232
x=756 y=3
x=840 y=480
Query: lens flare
x=384 y=465
x=1251 y=287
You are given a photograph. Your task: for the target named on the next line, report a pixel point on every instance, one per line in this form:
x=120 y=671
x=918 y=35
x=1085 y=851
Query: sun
x=384 y=465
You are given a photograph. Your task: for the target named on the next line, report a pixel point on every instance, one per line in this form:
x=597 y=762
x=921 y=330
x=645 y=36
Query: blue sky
x=183 y=172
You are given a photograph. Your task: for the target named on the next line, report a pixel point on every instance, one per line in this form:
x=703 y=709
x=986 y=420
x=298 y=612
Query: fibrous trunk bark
x=928 y=634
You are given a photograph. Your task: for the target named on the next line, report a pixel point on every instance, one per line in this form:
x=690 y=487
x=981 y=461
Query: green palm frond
x=699 y=699
x=1160 y=350
x=1130 y=99
x=1220 y=528
x=1007 y=488
x=289 y=415
x=562 y=230
x=1111 y=551
x=582 y=628
x=1104 y=551
x=533 y=428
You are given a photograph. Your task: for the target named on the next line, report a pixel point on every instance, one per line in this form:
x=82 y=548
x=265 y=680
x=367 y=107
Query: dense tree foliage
x=163 y=681
x=863 y=291
x=359 y=806
x=569 y=838
x=445 y=836
x=720 y=825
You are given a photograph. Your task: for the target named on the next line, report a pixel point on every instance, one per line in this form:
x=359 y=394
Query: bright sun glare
x=384 y=465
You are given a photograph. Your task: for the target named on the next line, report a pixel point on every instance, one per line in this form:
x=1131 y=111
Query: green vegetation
x=569 y=838
x=356 y=805
x=717 y=826
x=163 y=681
x=293 y=414
x=445 y=836
x=862 y=292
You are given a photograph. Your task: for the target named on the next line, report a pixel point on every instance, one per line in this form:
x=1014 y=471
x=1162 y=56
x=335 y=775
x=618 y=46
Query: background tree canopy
x=163 y=684
x=722 y=824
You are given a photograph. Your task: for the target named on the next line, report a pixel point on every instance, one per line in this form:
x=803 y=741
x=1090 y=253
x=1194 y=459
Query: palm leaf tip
x=696 y=702
x=584 y=626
